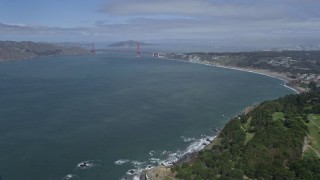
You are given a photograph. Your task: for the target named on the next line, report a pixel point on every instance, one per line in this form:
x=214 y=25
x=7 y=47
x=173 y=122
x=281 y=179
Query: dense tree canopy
x=266 y=143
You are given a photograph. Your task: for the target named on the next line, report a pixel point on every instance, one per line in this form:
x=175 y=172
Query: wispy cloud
x=28 y=29
x=212 y=18
x=259 y=20
x=244 y=9
x=43 y=33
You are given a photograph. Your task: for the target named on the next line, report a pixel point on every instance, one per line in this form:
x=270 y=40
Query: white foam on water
x=148 y=167
x=121 y=161
x=152 y=152
x=82 y=166
x=131 y=171
x=193 y=147
x=136 y=178
x=154 y=161
x=136 y=163
x=69 y=176
x=171 y=158
x=186 y=139
x=89 y=164
x=165 y=152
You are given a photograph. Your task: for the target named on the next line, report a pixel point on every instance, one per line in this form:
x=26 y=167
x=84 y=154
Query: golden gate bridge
x=138 y=51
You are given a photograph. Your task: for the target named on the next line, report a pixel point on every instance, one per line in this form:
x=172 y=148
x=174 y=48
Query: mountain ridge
x=129 y=43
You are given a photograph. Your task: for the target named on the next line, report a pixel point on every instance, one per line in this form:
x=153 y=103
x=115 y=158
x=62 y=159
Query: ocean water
x=113 y=111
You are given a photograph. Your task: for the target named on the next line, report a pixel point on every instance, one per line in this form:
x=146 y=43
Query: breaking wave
x=166 y=158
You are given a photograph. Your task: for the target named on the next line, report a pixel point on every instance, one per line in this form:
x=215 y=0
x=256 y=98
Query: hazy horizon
x=272 y=23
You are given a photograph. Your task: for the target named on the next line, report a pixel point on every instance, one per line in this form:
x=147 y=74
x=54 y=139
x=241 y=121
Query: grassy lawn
x=249 y=136
x=277 y=116
x=247 y=124
x=246 y=127
x=315 y=118
x=309 y=153
x=314 y=134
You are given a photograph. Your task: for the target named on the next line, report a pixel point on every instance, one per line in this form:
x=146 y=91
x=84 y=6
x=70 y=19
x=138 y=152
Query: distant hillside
x=302 y=67
x=129 y=43
x=11 y=50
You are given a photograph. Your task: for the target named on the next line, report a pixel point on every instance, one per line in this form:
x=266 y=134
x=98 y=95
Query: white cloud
x=198 y=8
x=191 y=19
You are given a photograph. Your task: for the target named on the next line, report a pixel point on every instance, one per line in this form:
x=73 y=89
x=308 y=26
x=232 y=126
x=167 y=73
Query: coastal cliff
x=278 y=139
x=11 y=50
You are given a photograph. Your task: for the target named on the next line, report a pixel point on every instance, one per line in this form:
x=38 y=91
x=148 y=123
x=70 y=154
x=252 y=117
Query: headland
x=25 y=50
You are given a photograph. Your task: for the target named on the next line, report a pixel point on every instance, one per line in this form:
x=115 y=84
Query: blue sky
x=231 y=21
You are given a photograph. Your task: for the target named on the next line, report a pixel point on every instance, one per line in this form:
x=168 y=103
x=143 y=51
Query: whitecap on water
x=186 y=139
x=121 y=161
x=195 y=146
x=152 y=152
x=136 y=164
x=131 y=171
x=154 y=160
x=149 y=167
x=89 y=164
x=170 y=158
x=69 y=176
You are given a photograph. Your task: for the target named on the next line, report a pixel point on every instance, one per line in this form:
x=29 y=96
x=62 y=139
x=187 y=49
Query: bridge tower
x=138 y=52
x=93 y=50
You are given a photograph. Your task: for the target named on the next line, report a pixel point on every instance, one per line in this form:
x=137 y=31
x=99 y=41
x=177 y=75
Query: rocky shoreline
x=165 y=172
x=173 y=159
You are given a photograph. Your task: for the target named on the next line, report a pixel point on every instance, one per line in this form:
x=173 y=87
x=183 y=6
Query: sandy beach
x=282 y=76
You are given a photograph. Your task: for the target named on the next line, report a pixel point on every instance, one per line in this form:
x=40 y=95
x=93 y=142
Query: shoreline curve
x=268 y=73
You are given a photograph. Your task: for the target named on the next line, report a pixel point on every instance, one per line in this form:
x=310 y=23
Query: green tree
x=312 y=86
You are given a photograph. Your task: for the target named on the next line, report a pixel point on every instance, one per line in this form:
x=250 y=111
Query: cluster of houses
x=281 y=61
x=307 y=78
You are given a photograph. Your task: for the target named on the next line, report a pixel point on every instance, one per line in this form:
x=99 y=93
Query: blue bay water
x=58 y=111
